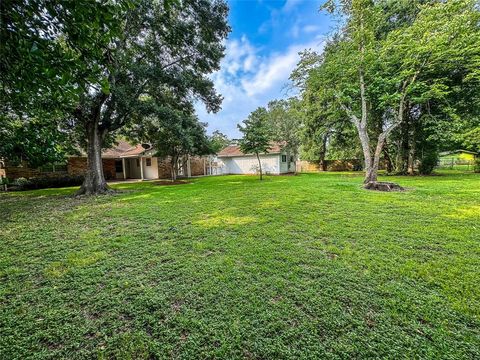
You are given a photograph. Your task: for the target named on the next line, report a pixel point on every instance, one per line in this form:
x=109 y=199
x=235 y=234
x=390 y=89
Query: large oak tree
x=97 y=60
x=165 y=47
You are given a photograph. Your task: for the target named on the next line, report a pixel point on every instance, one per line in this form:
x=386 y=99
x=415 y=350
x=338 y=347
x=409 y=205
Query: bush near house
x=34 y=183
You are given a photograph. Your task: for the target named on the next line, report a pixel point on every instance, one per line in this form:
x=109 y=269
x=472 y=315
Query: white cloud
x=247 y=80
x=311 y=29
x=273 y=71
x=295 y=30
x=282 y=16
x=290 y=5
x=240 y=55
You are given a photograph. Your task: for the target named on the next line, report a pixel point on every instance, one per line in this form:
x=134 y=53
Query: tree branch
x=351 y=116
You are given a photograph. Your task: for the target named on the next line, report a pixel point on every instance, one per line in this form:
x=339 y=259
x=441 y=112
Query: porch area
x=138 y=167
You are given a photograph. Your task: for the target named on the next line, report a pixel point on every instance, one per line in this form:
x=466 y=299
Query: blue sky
x=261 y=52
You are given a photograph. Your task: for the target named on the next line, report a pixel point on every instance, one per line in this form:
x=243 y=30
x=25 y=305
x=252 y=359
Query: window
x=118 y=166
x=148 y=161
x=284 y=158
x=291 y=159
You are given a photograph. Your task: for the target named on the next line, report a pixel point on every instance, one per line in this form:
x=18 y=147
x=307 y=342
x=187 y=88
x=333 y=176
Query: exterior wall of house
x=15 y=172
x=77 y=166
x=109 y=168
x=249 y=164
x=150 y=172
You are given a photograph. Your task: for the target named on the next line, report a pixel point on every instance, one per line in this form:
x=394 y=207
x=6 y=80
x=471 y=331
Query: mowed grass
x=307 y=266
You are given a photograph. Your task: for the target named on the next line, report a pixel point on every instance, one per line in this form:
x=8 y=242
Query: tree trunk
x=388 y=159
x=400 y=159
x=370 y=171
x=288 y=162
x=411 y=153
x=323 y=152
x=94 y=183
x=260 y=166
x=174 y=167
x=373 y=174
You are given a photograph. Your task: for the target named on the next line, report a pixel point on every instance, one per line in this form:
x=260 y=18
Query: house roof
x=124 y=149
x=234 y=150
x=443 y=153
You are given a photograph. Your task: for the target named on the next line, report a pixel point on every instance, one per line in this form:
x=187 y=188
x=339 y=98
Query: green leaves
x=50 y=47
x=218 y=141
x=415 y=59
x=105 y=86
x=256 y=136
x=471 y=140
x=36 y=141
x=284 y=122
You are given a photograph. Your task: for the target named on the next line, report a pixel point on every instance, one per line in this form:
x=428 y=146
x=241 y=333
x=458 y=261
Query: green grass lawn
x=308 y=266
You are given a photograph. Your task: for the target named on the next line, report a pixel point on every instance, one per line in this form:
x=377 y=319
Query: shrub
x=428 y=163
x=476 y=166
x=4 y=182
x=46 y=182
x=21 y=183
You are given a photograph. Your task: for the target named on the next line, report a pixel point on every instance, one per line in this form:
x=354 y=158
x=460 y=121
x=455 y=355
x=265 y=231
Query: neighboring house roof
x=234 y=150
x=443 y=153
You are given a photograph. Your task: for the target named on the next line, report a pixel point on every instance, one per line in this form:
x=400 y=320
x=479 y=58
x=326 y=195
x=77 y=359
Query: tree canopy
x=388 y=66
x=284 y=122
x=175 y=133
x=166 y=51
x=99 y=63
x=256 y=137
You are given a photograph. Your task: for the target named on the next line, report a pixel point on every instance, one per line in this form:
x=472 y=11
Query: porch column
x=141 y=167
x=189 y=170
x=124 y=170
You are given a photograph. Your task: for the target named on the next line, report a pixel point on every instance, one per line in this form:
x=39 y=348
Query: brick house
x=121 y=162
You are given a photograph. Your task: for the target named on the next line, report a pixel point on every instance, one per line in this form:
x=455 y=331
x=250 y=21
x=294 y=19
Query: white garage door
x=249 y=164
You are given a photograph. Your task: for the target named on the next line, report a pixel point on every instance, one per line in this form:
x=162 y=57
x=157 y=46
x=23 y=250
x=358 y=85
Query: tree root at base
x=383 y=186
